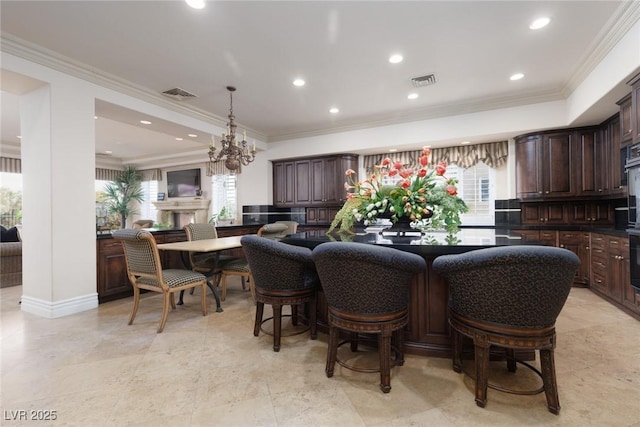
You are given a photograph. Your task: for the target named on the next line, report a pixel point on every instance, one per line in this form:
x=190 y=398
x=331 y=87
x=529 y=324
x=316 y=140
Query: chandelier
x=236 y=152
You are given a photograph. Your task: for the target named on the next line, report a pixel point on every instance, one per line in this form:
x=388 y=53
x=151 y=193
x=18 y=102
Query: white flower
x=371 y=206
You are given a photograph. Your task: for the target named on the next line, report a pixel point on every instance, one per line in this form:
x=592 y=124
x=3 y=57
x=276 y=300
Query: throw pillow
x=10 y=235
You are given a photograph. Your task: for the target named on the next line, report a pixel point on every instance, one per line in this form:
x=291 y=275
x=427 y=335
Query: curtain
x=151 y=174
x=493 y=154
x=106 y=174
x=8 y=164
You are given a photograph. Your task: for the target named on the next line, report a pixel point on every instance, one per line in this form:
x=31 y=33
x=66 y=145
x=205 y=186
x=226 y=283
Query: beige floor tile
x=95 y=370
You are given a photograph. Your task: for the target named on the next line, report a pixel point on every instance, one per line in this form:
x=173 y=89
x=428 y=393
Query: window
x=476 y=188
x=224 y=194
x=147 y=208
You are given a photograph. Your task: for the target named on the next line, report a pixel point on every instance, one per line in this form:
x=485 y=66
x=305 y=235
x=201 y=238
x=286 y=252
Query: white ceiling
x=339 y=48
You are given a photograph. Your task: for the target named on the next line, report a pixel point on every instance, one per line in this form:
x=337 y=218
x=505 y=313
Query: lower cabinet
x=610 y=272
x=604 y=263
x=113 y=282
x=578 y=243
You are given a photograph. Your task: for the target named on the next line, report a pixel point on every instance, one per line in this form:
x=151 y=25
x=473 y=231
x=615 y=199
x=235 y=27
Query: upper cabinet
x=545 y=165
x=626 y=133
x=635 y=108
x=309 y=182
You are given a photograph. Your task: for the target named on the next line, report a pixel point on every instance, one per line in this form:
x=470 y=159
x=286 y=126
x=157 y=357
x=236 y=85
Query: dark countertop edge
x=608 y=231
x=177 y=230
x=513 y=228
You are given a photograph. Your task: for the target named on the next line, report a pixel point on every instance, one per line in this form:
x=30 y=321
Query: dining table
x=204 y=245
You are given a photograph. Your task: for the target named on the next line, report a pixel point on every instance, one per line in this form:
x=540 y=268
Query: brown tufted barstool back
x=508 y=297
x=282 y=275
x=367 y=291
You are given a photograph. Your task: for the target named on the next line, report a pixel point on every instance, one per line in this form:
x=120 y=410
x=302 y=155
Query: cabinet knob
x=546 y=192
x=599 y=189
x=539 y=192
x=562 y=246
x=587 y=247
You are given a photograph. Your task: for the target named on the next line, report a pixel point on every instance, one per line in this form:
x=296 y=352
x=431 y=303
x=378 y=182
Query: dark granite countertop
x=429 y=244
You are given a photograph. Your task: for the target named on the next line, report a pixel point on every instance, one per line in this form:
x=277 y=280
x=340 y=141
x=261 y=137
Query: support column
x=58 y=169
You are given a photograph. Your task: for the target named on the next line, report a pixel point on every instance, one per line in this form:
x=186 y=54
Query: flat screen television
x=183 y=183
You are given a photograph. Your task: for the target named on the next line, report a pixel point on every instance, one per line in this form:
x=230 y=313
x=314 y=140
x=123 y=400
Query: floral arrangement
x=418 y=195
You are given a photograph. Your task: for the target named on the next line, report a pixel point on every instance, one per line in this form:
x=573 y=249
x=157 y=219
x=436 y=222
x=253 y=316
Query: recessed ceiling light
x=145 y=122
x=539 y=23
x=334 y=110
x=394 y=59
x=298 y=82
x=108 y=152
x=19 y=137
x=95 y=117
x=413 y=96
x=516 y=76
x=465 y=142
x=196 y=4
x=393 y=150
x=178 y=139
x=193 y=135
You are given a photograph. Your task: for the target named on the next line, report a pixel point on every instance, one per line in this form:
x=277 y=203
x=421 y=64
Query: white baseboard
x=54 y=309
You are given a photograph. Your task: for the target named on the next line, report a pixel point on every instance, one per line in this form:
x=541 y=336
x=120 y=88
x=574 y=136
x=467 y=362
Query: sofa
x=10 y=257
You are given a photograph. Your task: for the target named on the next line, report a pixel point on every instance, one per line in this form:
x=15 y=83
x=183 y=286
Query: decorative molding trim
x=55 y=309
x=619 y=24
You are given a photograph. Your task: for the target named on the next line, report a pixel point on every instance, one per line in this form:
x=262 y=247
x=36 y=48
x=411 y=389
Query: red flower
x=406 y=173
x=424 y=160
x=422 y=173
x=441 y=168
x=393 y=172
x=452 y=190
x=397 y=165
x=406 y=183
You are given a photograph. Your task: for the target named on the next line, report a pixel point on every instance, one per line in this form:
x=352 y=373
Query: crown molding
x=51 y=59
x=624 y=18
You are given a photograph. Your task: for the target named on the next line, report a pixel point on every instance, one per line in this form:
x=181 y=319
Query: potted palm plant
x=124 y=189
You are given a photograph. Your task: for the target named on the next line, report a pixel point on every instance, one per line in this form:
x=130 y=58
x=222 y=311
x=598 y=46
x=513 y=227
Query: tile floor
x=95 y=370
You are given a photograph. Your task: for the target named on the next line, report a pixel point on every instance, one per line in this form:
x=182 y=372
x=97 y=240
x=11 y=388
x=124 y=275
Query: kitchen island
x=428 y=332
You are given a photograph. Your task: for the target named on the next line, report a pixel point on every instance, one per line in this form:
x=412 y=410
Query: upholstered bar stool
x=508 y=297
x=282 y=275
x=367 y=291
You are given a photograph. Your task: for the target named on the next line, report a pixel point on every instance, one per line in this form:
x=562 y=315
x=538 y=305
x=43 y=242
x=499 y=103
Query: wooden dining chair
x=145 y=271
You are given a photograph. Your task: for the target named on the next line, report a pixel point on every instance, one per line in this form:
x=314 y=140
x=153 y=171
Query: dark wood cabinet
x=284 y=183
x=617 y=157
x=592 y=160
x=626 y=133
x=610 y=272
x=321 y=216
x=591 y=213
x=545 y=164
x=635 y=109
x=310 y=182
x=578 y=243
x=544 y=214
x=113 y=282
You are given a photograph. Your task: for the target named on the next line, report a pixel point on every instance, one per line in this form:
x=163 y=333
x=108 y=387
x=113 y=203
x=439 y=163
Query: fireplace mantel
x=166 y=209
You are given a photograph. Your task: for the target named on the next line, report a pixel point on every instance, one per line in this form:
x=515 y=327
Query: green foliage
x=124 y=189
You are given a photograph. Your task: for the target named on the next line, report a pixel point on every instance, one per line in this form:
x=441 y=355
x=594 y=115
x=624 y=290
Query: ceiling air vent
x=178 y=94
x=429 y=79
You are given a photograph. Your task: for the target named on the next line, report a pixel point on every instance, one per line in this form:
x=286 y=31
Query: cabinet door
x=113 y=281
x=557 y=165
x=635 y=110
x=626 y=133
x=324 y=174
x=578 y=243
x=629 y=297
x=528 y=182
x=283 y=183
x=592 y=158
x=617 y=156
x=302 y=182
x=555 y=214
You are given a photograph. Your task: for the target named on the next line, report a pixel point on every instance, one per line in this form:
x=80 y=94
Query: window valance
x=218 y=168
x=10 y=165
x=493 y=154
